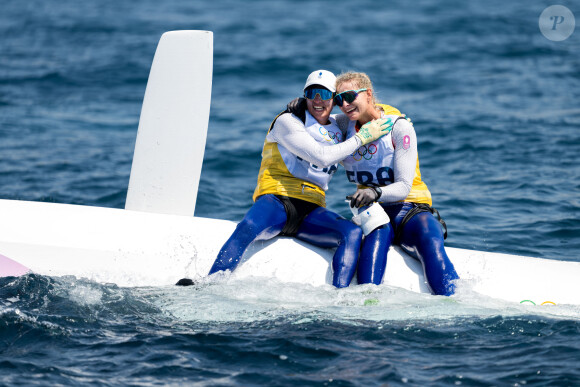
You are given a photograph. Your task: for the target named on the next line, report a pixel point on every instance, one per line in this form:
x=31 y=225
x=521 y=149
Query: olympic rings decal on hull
x=533 y=303
x=365 y=151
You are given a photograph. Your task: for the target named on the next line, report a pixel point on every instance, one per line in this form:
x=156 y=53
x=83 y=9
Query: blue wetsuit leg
x=325 y=228
x=373 y=256
x=422 y=238
x=265 y=219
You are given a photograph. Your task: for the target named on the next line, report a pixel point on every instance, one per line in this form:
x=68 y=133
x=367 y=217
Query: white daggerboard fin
x=173 y=125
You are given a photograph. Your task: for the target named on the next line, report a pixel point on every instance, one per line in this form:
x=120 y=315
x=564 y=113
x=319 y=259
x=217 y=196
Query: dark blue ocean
x=497 y=113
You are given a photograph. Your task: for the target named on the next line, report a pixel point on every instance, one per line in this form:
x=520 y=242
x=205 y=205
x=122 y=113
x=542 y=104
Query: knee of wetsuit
x=344 y=266
x=246 y=225
x=373 y=257
x=352 y=233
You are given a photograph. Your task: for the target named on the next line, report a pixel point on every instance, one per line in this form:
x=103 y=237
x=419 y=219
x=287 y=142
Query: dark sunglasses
x=324 y=94
x=348 y=96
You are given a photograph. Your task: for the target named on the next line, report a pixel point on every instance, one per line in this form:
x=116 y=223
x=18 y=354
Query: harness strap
x=296 y=211
x=393 y=126
x=398 y=118
x=417 y=209
x=297 y=107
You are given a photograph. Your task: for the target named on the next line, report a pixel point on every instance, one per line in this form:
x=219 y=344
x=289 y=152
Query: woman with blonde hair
x=387 y=171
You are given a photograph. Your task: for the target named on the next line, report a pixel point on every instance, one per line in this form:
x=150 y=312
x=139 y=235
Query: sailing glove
x=374 y=129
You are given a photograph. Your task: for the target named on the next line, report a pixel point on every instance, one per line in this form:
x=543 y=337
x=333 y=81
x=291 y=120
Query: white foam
x=231 y=299
x=85 y=294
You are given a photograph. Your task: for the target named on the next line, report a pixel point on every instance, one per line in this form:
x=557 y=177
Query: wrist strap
x=378 y=191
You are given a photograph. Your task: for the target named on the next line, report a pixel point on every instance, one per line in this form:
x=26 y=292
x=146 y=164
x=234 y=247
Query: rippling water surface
x=495 y=107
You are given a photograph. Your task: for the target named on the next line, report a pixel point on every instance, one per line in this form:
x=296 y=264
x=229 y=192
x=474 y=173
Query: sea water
x=494 y=104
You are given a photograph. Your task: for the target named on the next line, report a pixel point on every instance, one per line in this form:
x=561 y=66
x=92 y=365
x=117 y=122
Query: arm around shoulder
x=290 y=132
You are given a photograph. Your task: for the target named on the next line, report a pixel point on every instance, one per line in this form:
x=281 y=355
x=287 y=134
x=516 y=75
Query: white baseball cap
x=323 y=78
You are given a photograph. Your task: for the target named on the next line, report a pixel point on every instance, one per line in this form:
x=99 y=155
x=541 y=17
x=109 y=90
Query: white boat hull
x=133 y=248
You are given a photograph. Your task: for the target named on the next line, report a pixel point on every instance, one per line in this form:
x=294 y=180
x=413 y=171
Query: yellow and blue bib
x=284 y=173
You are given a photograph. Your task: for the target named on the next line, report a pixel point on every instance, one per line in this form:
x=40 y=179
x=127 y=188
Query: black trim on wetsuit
x=418 y=208
x=298 y=109
x=296 y=211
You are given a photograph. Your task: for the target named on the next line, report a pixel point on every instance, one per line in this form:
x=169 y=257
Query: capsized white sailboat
x=156 y=240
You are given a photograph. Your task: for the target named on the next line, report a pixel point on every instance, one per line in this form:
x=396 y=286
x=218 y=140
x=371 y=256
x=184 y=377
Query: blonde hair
x=360 y=80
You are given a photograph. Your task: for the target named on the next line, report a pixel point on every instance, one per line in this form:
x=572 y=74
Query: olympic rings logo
x=364 y=152
x=334 y=137
x=533 y=303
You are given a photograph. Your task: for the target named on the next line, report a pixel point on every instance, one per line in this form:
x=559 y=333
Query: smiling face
x=362 y=108
x=318 y=108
